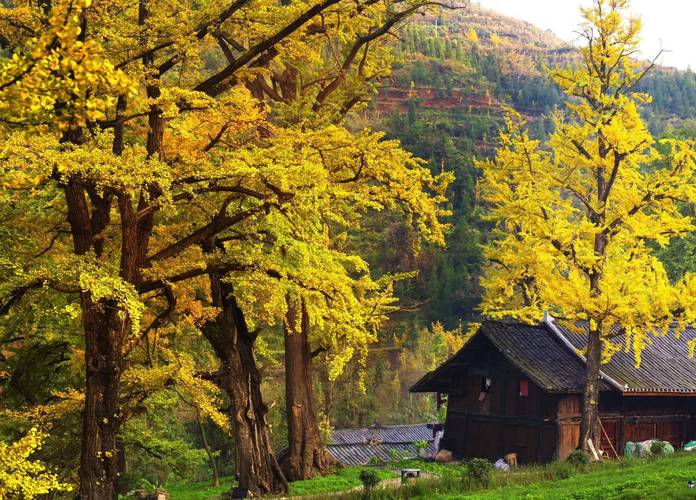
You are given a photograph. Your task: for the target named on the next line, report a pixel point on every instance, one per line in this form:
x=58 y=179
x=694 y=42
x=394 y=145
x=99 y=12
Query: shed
x=379 y=443
x=517 y=388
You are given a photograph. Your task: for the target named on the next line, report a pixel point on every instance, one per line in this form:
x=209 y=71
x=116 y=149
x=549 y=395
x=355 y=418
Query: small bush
x=396 y=455
x=578 y=458
x=657 y=447
x=479 y=471
x=369 y=479
x=421 y=445
x=559 y=470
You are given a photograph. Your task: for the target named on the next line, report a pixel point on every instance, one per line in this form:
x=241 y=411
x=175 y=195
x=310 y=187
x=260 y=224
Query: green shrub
x=369 y=479
x=479 y=471
x=657 y=447
x=421 y=445
x=578 y=458
x=559 y=470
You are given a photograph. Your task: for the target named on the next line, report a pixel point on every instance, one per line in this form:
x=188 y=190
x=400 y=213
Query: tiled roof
x=362 y=454
x=549 y=355
x=535 y=351
x=408 y=433
x=538 y=354
x=665 y=363
x=359 y=446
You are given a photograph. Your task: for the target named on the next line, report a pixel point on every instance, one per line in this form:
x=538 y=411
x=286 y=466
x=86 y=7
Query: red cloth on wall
x=524 y=387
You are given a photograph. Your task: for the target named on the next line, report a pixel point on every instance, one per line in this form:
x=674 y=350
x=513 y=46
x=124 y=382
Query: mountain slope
x=454 y=75
x=450 y=60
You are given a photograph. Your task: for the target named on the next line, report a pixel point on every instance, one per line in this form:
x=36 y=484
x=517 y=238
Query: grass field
x=656 y=478
x=635 y=479
x=199 y=491
x=346 y=479
x=651 y=479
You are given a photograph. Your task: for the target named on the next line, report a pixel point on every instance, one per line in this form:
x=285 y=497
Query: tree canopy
x=575 y=216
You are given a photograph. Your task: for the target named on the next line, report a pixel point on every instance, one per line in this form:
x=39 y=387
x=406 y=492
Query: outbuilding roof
x=377 y=443
x=360 y=446
x=550 y=355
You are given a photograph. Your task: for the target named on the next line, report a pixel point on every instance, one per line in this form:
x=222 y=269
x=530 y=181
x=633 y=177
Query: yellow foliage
x=21 y=477
x=59 y=78
x=574 y=216
x=113 y=140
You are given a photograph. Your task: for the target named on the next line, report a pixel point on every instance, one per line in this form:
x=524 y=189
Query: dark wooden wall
x=504 y=422
x=629 y=418
x=543 y=426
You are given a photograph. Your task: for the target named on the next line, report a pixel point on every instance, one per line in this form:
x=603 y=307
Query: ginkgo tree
x=325 y=177
x=259 y=269
x=577 y=217
x=138 y=155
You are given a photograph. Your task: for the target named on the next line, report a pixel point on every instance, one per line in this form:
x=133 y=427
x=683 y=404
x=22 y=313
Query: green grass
x=343 y=480
x=199 y=491
x=651 y=479
x=663 y=478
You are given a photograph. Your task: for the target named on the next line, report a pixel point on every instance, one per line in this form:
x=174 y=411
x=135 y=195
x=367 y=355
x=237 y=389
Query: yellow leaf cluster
x=575 y=217
x=21 y=477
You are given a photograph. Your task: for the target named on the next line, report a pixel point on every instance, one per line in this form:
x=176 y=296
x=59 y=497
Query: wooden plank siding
x=539 y=419
x=504 y=421
x=543 y=426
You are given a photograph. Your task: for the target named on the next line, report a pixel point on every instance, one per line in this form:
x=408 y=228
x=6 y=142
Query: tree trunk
x=307 y=452
x=589 y=427
x=101 y=418
x=257 y=467
x=121 y=486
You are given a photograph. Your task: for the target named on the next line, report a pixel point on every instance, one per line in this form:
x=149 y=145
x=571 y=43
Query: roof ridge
x=549 y=322
x=383 y=427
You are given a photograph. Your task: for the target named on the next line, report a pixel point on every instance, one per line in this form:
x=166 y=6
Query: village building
x=515 y=388
x=379 y=444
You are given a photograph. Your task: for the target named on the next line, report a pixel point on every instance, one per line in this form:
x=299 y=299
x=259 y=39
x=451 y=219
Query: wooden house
x=518 y=388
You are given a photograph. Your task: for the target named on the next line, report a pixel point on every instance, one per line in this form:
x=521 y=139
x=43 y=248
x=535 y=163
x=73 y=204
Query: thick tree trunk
x=101 y=415
x=121 y=485
x=589 y=425
x=257 y=467
x=307 y=453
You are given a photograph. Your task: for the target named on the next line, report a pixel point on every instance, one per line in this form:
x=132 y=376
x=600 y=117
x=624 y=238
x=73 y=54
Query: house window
x=485 y=388
x=524 y=388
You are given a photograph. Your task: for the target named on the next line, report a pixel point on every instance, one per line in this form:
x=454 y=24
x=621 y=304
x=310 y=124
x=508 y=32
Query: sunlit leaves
x=574 y=216
x=22 y=477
